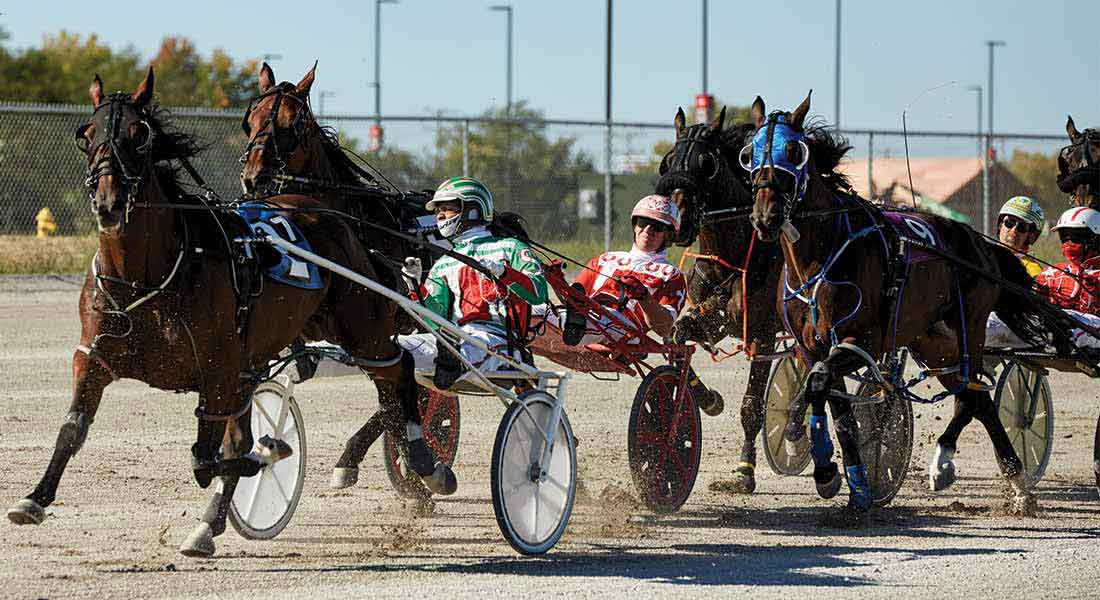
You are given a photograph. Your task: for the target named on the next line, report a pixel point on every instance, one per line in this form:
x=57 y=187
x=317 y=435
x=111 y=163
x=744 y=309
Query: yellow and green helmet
x=1025 y=208
x=468 y=191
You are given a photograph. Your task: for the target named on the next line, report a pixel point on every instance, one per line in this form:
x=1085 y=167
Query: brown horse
x=849 y=294
x=162 y=304
x=1079 y=166
x=285 y=139
x=701 y=176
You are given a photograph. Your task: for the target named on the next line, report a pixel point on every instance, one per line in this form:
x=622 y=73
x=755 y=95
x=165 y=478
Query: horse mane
x=170 y=145
x=827 y=148
x=337 y=166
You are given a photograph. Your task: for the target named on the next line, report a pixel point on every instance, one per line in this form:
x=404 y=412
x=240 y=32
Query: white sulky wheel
x=1026 y=409
x=533 y=508
x=885 y=435
x=784 y=381
x=264 y=503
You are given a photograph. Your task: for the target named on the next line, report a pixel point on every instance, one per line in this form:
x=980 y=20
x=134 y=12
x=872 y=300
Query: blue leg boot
x=859 y=491
x=826 y=473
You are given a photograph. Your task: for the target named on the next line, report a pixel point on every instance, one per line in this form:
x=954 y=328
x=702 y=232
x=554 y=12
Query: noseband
x=117 y=161
x=270 y=130
x=1089 y=173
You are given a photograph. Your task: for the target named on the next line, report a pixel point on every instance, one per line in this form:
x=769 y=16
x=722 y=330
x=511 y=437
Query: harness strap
x=95 y=355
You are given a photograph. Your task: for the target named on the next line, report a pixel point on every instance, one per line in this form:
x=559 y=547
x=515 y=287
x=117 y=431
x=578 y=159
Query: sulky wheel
x=664 y=440
x=439 y=417
x=1026 y=409
x=264 y=503
x=885 y=434
x=533 y=504
x=784 y=382
x=1096 y=454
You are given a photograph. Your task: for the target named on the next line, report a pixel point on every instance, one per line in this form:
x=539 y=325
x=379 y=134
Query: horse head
x=697 y=173
x=280 y=126
x=118 y=142
x=1079 y=166
x=778 y=161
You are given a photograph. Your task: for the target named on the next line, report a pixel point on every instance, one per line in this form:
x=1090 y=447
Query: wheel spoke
x=255 y=495
x=265 y=414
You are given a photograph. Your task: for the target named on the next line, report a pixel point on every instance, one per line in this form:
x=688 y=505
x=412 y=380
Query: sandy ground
x=127 y=500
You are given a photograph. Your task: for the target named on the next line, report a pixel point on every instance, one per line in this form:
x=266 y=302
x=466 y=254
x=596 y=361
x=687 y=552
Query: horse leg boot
x=708 y=400
x=438 y=476
x=238 y=438
x=346 y=472
x=847 y=432
x=941 y=471
x=816 y=390
x=89 y=380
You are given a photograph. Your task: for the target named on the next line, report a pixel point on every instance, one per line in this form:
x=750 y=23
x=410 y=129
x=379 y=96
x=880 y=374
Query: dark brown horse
x=1079 y=166
x=285 y=140
x=162 y=304
x=701 y=175
x=846 y=295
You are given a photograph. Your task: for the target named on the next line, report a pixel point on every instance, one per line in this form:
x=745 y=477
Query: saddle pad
x=909 y=226
x=289 y=270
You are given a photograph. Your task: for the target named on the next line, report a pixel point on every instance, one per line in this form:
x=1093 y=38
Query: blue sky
x=449 y=55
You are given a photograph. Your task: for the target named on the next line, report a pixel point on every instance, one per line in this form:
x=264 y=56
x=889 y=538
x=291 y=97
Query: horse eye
x=794 y=152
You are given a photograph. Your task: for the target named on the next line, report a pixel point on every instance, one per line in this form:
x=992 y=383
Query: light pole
x=704 y=47
x=378 y=59
x=507 y=8
x=321 y=96
x=988 y=141
x=607 y=184
x=836 y=84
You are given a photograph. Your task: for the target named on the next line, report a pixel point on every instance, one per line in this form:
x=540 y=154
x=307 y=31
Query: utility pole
x=988 y=143
x=607 y=139
x=836 y=84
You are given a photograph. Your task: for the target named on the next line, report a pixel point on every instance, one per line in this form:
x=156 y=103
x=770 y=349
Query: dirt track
x=127 y=500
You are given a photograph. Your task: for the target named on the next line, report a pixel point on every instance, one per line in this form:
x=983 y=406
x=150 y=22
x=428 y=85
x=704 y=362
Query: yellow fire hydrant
x=46 y=224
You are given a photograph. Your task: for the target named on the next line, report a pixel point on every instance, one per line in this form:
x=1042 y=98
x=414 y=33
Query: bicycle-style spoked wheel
x=664 y=440
x=440 y=420
x=1026 y=409
x=885 y=430
x=784 y=381
x=533 y=499
x=264 y=503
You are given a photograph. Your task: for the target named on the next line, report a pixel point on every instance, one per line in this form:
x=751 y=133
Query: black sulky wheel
x=439 y=416
x=784 y=381
x=1026 y=409
x=885 y=430
x=664 y=439
x=1096 y=454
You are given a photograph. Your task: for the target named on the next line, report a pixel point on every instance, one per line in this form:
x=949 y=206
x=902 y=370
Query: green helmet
x=468 y=191
x=1025 y=208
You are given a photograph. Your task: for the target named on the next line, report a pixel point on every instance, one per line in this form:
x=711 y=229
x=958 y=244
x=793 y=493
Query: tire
x=440 y=415
x=515 y=493
x=1026 y=409
x=664 y=440
x=263 y=504
x=885 y=434
x=784 y=381
x=1096 y=454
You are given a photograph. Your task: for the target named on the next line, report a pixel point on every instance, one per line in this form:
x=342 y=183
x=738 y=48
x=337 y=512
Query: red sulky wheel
x=664 y=440
x=439 y=416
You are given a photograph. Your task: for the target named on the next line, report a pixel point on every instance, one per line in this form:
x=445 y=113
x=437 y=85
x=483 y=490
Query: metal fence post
x=466 y=148
x=607 y=189
x=870 y=166
x=985 y=186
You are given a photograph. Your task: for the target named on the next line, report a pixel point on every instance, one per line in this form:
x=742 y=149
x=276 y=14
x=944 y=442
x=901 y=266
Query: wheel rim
x=1029 y=426
x=665 y=437
x=534 y=509
x=885 y=443
x=260 y=502
x=784 y=383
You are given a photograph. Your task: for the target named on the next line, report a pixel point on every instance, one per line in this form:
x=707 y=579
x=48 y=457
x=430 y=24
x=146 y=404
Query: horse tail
x=1026 y=313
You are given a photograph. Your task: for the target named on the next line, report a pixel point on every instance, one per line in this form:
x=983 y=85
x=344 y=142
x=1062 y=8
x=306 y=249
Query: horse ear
x=96 y=91
x=758 y=112
x=307 y=81
x=716 y=126
x=799 y=114
x=1071 y=129
x=267 y=78
x=679 y=121
x=144 y=92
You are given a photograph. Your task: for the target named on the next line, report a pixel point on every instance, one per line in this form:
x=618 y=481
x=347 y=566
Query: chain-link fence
x=551 y=171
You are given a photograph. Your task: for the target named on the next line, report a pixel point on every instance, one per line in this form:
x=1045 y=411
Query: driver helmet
x=660 y=209
x=1079 y=218
x=476 y=201
x=1025 y=208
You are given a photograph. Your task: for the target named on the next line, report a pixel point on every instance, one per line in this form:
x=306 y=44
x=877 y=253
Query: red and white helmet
x=658 y=208
x=1079 y=218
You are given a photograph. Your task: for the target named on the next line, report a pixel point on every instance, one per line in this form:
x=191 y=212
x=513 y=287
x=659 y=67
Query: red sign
x=704 y=104
x=376 y=138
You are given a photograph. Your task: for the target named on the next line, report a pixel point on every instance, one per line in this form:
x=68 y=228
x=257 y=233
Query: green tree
x=1039 y=172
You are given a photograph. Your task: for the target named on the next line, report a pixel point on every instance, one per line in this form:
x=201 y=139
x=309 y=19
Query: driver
x=1019 y=225
x=640 y=288
x=482 y=307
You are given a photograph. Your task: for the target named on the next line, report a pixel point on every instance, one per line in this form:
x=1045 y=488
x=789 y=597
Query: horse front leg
x=89 y=380
x=752 y=421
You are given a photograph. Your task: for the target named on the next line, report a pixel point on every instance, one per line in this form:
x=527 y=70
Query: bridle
x=1069 y=178
x=119 y=160
x=283 y=141
x=762 y=153
x=695 y=162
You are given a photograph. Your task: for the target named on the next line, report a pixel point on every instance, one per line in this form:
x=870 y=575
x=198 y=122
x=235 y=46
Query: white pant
x=614 y=326
x=422 y=346
x=998 y=335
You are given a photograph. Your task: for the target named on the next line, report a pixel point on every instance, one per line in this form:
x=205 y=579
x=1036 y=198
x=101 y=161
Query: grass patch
x=26 y=254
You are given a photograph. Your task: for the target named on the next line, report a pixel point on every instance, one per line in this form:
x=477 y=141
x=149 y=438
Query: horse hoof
x=1024 y=504
x=26 y=512
x=743 y=481
x=270 y=450
x=711 y=403
x=344 y=477
x=443 y=481
x=827 y=480
x=200 y=544
x=941 y=473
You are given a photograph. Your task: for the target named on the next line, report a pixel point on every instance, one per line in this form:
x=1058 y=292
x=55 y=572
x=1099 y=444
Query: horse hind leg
x=89 y=381
x=346 y=472
x=1020 y=484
